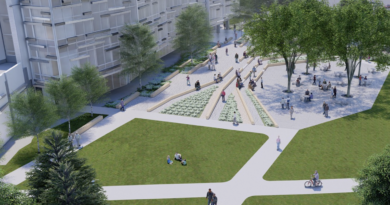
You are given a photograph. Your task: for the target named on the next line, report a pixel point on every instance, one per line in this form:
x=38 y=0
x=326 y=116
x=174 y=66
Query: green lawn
x=310 y=199
x=186 y=201
x=337 y=149
x=136 y=153
x=29 y=152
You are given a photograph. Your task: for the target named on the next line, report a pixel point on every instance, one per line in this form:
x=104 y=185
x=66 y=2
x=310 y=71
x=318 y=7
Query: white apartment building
x=45 y=39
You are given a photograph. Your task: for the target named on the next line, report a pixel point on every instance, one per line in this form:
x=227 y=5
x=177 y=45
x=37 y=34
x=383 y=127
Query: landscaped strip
x=136 y=153
x=245 y=107
x=263 y=113
x=309 y=199
x=191 y=106
x=338 y=148
x=228 y=110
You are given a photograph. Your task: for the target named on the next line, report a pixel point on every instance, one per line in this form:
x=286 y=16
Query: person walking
x=188 y=80
x=235 y=44
x=122 y=105
x=282 y=102
x=223 y=95
x=214 y=200
x=291 y=112
x=288 y=102
x=278 y=143
x=209 y=196
x=261 y=81
x=323 y=107
x=250 y=75
x=216 y=58
x=360 y=80
x=254 y=71
x=236 y=35
x=227 y=51
x=78 y=137
x=236 y=57
x=326 y=110
x=334 y=92
x=234 y=118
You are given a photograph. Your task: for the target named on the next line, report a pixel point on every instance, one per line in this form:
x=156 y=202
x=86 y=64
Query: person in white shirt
x=178 y=157
x=278 y=143
x=78 y=137
x=282 y=102
x=215 y=78
x=316 y=178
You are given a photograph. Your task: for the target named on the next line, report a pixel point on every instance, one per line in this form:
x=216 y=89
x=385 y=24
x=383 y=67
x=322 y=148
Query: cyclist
x=316 y=178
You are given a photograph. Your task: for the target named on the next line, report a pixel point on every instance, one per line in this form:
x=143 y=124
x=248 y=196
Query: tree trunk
x=290 y=68
x=69 y=125
x=140 y=82
x=350 y=67
x=307 y=66
x=39 y=151
x=91 y=109
x=360 y=64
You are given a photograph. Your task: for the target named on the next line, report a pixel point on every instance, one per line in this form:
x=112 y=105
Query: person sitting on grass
x=169 y=161
x=184 y=162
x=178 y=157
x=197 y=85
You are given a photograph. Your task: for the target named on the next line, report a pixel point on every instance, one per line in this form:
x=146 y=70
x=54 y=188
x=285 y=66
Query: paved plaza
x=249 y=180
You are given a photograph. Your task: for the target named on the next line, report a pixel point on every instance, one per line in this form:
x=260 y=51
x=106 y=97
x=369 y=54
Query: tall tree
x=360 y=28
x=317 y=30
x=193 y=31
x=138 y=52
x=33 y=113
x=91 y=81
x=68 y=96
x=278 y=32
x=243 y=10
x=60 y=177
x=373 y=179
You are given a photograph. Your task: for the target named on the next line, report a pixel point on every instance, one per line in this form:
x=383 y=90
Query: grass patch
x=318 y=199
x=339 y=148
x=136 y=152
x=187 y=201
x=29 y=152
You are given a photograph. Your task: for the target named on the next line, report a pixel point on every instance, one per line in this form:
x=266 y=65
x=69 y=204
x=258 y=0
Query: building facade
x=44 y=39
x=60 y=34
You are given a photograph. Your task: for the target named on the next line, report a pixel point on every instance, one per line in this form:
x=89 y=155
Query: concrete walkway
x=249 y=180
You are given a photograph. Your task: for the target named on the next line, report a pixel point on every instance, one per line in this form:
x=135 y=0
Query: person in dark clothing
x=197 y=85
x=216 y=58
x=314 y=79
x=214 y=200
x=209 y=196
x=334 y=91
x=236 y=57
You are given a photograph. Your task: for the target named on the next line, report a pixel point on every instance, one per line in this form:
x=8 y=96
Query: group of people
x=307 y=93
x=252 y=85
x=217 y=78
x=325 y=107
x=239 y=83
x=211 y=197
x=285 y=102
x=213 y=59
x=177 y=158
x=74 y=136
x=325 y=86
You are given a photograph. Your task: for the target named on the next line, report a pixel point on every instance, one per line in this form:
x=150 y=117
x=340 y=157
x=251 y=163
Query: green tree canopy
x=32 y=112
x=374 y=179
x=60 y=177
x=278 y=32
x=68 y=96
x=91 y=81
x=193 y=31
x=138 y=52
x=360 y=28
